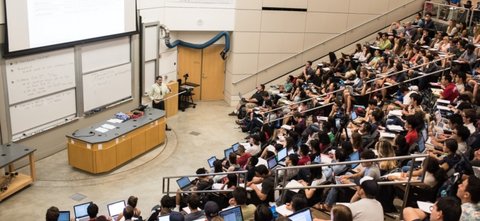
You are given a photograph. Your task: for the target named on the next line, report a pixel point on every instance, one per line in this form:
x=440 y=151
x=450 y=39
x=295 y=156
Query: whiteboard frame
x=40 y=128
x=144 y=84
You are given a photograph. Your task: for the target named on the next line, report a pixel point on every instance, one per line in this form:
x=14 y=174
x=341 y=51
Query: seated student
x=254 y=148
x=460 y=134
x=52 y=214
x=469 y=193
x=240 y=199
x=92 y=211
x=313 y=195
x=167 y=205
x=339 y=156
x=445 y=209
x=304 y=157
x=368 y=169
x=211 y=210
x=363 y=205
x=176 y=216
x=251 y=102
x=290 y=161
x=243 y=156
x=266 y=193
x=132 y=201
x=449 y=157
x=193 y=203
x=450 y=91
x=263 y=213
x=339 y=212
x=298 y=202
x=128 y=213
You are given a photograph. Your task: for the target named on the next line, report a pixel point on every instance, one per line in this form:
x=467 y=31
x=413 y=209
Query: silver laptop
x=80 y=211
x=114 y=209
x=184 y=183
x=232 y=214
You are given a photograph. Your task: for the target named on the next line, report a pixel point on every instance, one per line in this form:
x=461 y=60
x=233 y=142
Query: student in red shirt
x=243 y=156
x=304 y=157
x=450 y=91
x=412 y=134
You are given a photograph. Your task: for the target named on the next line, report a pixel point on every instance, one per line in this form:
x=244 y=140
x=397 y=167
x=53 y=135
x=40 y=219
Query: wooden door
x=190 y=61
x=213 y=73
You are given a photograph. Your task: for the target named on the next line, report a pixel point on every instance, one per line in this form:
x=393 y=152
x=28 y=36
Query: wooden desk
x=97 y=152
x=10 y=153
x=171 y=102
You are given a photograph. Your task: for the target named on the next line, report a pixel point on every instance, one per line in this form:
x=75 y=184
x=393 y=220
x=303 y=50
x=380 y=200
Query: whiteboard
x=105 y=54
x=38 y=75
x=107 y=86
x=149 y=77
x=151 y=42
x=39 y=112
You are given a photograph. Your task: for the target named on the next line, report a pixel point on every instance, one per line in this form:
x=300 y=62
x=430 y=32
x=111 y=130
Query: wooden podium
x=97 y=152
x=171 y=99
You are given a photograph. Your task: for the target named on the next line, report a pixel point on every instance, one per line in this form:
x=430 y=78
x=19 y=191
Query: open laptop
x=273 y=163
x=80 y=211
x=354 y=157
x=64 y=216
x=232 y=214
x=211 y=160
x=235 y=146
x=184 y=183
x=227 y=152
x=114 y=209
x=302 y=215
x=282 y=154
x=354 y=115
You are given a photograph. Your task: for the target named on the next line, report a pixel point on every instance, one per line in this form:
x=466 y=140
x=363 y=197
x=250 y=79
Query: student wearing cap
x=363 y=205
x=211 y=209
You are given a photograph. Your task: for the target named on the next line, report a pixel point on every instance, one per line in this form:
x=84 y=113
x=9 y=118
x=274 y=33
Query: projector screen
x=39 y=25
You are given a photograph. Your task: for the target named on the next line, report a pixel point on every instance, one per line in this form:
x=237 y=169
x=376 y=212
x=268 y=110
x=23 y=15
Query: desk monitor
x=211 y=160
x=282 y=154
x=80 y=210
x=228 y=151
x=302 y=215
x=64 y=216
x=232 y=214
x=114 y=209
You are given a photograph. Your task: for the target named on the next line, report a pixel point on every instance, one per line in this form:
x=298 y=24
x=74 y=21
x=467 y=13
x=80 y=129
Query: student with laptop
x=240 y=199
x=265 y=194
x=132 y=201
x=82 y=211
x=363 y=205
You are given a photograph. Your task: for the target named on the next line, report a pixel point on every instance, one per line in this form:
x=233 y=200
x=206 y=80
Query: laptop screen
x=81 y=210
x=235 y=146
x=302 y=215
x=272 y=162
x=116 y=208
x=354 y=157
x=211 y=160
x=232 y=214
x=183 y=182
x=64 y=216
x=282 y=154
x=228 y=151
x=354 y=115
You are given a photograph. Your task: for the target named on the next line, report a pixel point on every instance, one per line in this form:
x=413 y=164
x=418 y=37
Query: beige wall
x=265 y=38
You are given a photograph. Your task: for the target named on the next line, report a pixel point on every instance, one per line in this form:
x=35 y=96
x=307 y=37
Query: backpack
x=450 y=186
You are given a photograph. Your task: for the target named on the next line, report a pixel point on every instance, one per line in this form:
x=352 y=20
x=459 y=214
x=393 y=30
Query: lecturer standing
x=157 y=93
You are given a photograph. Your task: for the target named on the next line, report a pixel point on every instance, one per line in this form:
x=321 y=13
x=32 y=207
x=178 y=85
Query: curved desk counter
x=97 y=152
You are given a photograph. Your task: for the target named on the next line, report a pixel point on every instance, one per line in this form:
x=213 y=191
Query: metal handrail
x=408 y=182
x=327 y=40
x=449 y=7
x=166 y=182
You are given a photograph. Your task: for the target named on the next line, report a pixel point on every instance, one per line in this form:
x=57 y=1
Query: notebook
x=115 y=208
x=184 y=183
x=80 y=211
x=164 y=218
x=232 y=214
x=302 y=215
x=211 y=160
x=64 y=216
